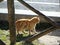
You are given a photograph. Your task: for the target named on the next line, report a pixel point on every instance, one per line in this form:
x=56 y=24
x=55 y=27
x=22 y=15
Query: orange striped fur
x=27 y=24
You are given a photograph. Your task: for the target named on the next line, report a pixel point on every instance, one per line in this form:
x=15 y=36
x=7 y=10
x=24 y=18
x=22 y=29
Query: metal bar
x=11 y=19
x=38 y=13
x=40 y=34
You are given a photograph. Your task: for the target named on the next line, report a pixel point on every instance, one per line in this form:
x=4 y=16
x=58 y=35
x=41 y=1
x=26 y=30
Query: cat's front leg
x=29 y=32
x=34 y=31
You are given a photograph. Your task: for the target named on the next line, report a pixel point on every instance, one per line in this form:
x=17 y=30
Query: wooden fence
x=11 y=16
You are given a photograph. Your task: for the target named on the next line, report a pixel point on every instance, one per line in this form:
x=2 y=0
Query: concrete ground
x=52 y=38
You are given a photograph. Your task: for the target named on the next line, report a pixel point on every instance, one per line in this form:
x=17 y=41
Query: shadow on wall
x=42 y=26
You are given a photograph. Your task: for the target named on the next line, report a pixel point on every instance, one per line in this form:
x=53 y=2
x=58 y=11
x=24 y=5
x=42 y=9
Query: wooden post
x=11 y=19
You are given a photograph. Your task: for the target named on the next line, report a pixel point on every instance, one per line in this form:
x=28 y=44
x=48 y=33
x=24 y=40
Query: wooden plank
x=11 y=19
x=40 y=34
x=38 y=13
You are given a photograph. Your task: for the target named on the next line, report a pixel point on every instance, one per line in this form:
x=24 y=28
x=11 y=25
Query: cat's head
x=35 y=19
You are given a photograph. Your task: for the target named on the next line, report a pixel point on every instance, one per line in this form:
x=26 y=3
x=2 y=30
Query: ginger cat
x=27 y=24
